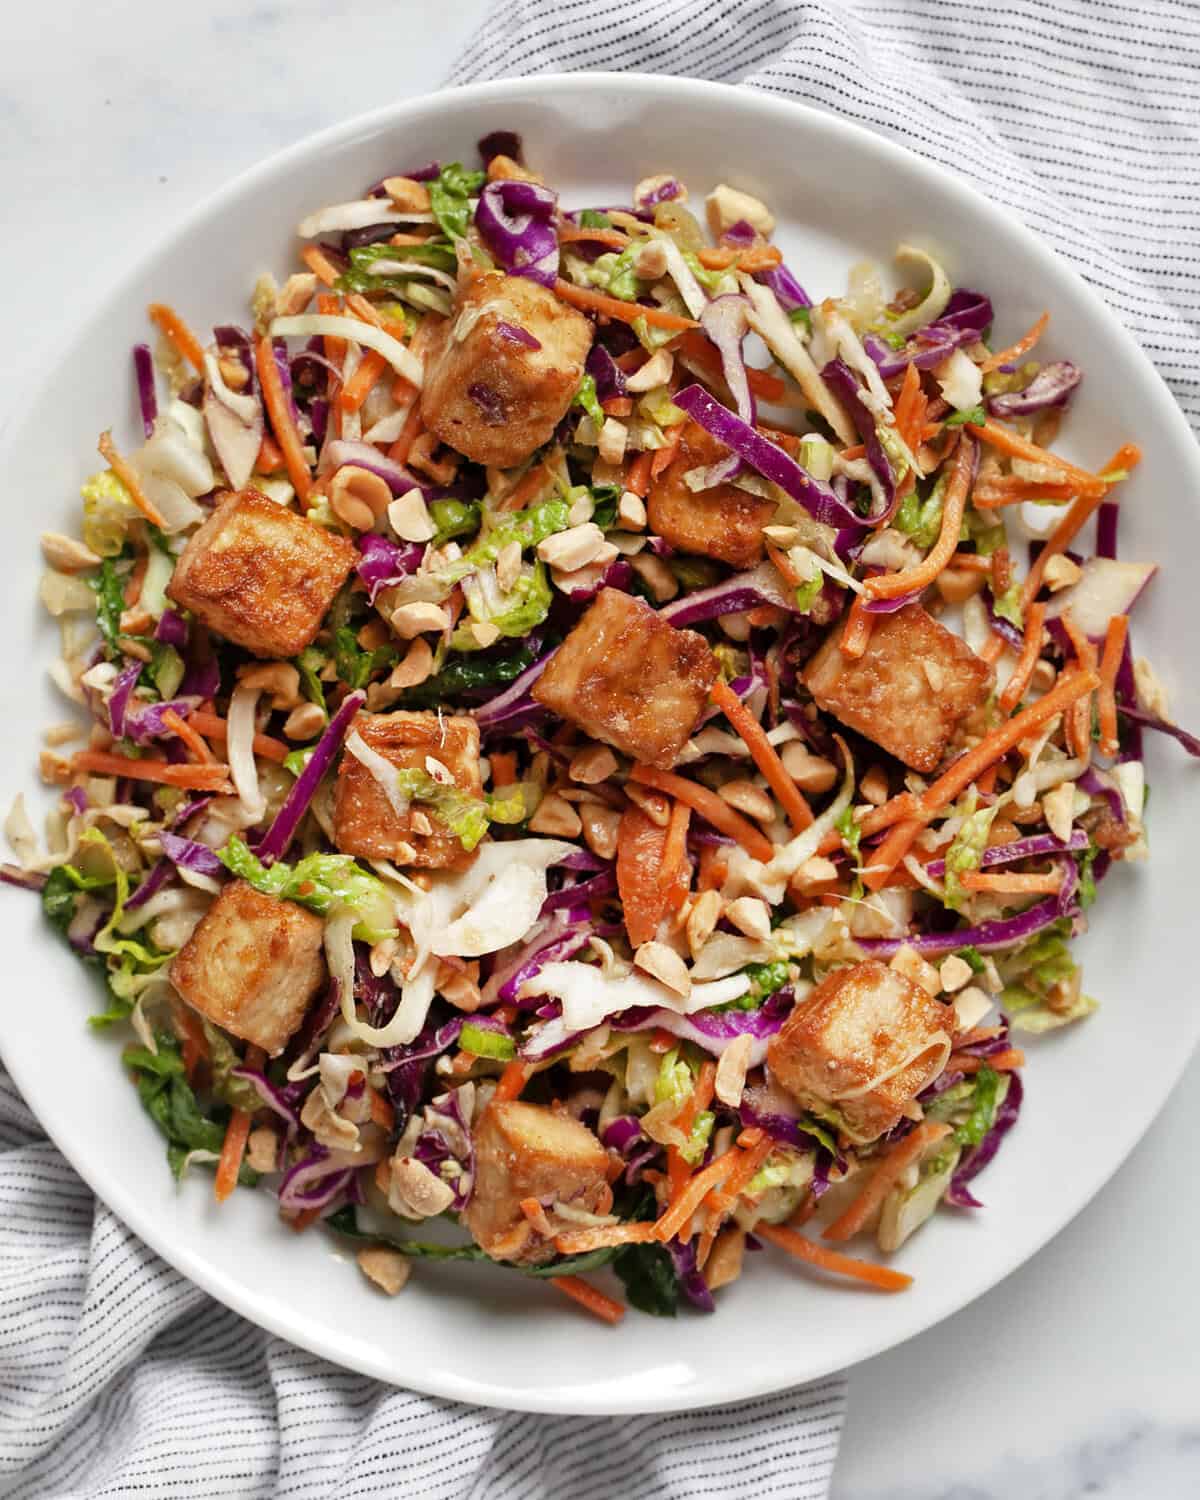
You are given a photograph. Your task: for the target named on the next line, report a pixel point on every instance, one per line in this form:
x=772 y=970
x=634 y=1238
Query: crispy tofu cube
x=261 y=575
x=630 y=679
x=364 y=821
x=253 y=965
x=528 y=1151
x=861 y=1046
x=909 y=691
x=723 y=522
x=488 y=392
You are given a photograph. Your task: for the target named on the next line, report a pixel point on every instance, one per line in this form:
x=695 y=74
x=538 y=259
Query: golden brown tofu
x=630 y=679
x=261 y=575
x=723 y=522
x=909 y=691
x=253 y=965
x=487 y=392
x=528 y=1151
x=364 y=821
x=860 y=1046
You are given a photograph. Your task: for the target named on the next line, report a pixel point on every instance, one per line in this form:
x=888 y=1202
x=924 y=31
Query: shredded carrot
x=270 y=456
x=512 y=1081
x=1126 y=457
x=590 y=300
x=709 y=806
x=999 y=1062
x=764 y=755
x=409 y=433
x=132 y=591
x=536 y=1215
x=383 y=1112
x=857 y=632
x=892 y=585
x=1012 y=883
x=972 y=562
x=146 y=768
x=617 y=406
x=756 y=258
x=1031 y=650
x=979 y=1034
x=887 y=1171
x=714 y=866
x=305 y=1219
x=696 y=347
x=1110 y=663
x=528 y=488
x=1007 y=489
x=128 y=477
x=316 y=260
x=279 y=411
x=1079 y=722
x=606 y=1308
x=504 y=767
x=857 y=451
x=1007 y=441
x=185 y=342
x=1018 y=350
x=215 y=727
x=693 y=1193
x=678 y=1170
x=664 y=457
x=194 y=1044
x=675 y=870
x=910 y=409
x=637 y=476
x=187 y=733
x=1069 y=688
x=361 y=383
x=584 y=1241
x=237 y=1133
x=613 y=238
x=753 y=1159
x=800 y=1246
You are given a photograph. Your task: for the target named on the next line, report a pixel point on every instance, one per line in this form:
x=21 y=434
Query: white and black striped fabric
x=118 y=1377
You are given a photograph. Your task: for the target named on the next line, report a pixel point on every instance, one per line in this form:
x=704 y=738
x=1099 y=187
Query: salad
x=590 y=760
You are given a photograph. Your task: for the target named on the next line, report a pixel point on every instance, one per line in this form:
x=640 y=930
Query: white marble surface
x=1079 y=1375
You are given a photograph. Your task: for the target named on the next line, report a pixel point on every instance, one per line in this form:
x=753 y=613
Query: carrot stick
x=606 y=1308
x=857 y=634
x=185 y=342
x=637 y=477
x=910 y=408
x=316 y=260
x=1070 y=687
x=971 y=561
x=678 y=1170
x=1018 y=350
x=236 y=1134
x=675 y=871
x=1012 y=883
x=697 y=348
x=664 y=457
x=613 y=238
x=1012 y=443
x=694 y=1191
x=132 y=591
x=887 y=1172
x=280 y=414
x=1110 y=662
x=504 y=767
x=590 y=300
x=583 y=1241
x=764 y=755
x=216 y=728
x=1031 y=650
x=359 y=386
x=1008 y=489
x=129 y=479
x=383 y=1112
x=709 y=806
x=999 y=1062
x=800 y=1246
x=892 y=585
x=270 y=457
x=187 y=733
x=145 y=768
x=512 y=1081
x=724 y=1198
x=756 y=258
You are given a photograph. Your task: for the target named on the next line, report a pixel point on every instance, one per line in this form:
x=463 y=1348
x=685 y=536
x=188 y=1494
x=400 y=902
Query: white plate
x=489 y=1336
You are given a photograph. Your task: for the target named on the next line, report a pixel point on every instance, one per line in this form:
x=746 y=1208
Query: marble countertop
x=1079 y=1375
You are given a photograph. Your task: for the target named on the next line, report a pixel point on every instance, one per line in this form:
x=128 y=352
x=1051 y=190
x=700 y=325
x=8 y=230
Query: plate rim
x=175 y=1250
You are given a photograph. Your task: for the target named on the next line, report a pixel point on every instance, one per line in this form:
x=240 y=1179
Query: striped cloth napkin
x=116 y=1375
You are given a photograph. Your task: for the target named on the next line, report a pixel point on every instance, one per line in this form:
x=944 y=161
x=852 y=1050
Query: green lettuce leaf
x=449 y=198
x=319 y=882
x=966 y=851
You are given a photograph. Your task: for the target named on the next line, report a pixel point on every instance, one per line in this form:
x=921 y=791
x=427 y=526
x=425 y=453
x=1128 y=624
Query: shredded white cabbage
x=775 y=329
x=383 y=771
x=357 y=215
x=239 y=748
x=961 y=381
x=309 y=324
x=415 y=998
x=933 y=304
x=681 y=274
x=589 y=998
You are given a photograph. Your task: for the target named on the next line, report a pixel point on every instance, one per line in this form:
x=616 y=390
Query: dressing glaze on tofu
x=631 y=679
x=528 y=1151
x=364 y=821
x=723 y=522
x=909 y=691
x=261 y=575
x=253 y=965
x=488 y=392
x=860 y=1047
